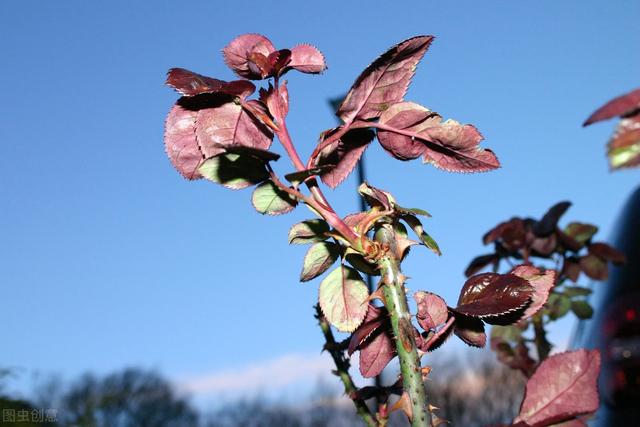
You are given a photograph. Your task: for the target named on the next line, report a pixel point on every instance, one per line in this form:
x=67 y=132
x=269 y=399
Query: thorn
x=404 y=404
x=426 y=370
x=433 y=408
x=377 y=294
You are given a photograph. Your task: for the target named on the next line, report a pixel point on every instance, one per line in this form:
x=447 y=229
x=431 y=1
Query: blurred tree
x=130 y=398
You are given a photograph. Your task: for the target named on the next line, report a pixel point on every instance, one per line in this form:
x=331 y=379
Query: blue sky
x=109 y=258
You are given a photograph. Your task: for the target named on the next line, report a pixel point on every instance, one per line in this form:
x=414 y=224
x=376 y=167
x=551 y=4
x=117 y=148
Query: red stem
x=323 y=206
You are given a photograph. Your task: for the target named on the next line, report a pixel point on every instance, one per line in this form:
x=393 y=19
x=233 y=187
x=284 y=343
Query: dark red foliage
x=621 y=106
x=384 y=82
x=562 y=388
x=343 y=154
x=188 y=83
x=374 y=339
x=432 y=310
x=494 y=297
x=254 y=57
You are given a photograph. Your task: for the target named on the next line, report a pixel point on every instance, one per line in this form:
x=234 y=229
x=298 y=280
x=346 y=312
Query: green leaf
x=309 y=231
x=581 y=232
x=411 y=211
x=234 y=171
x=558 y=306
x=318 y=259
x=506 y=333
x=575 y=291
x=343 y=298
x=417 y=227
x=270 y=200
x=582 y=309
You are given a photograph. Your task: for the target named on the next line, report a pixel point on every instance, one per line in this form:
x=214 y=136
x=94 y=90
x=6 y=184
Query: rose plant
x=219 y=132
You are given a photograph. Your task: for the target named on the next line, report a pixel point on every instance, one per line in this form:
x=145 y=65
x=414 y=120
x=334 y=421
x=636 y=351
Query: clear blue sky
x=109 y=258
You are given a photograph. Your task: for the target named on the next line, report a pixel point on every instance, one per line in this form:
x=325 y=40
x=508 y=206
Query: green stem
x=395 y=299
x=543 y=346
x=342 y=370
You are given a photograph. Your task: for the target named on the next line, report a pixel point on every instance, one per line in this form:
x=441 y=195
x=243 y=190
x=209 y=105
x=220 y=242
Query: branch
x=342 y=370
x=395 y=299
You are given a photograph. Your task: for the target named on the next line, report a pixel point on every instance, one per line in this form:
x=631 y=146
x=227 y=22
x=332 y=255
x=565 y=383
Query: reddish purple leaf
x=432 y=310
x=180 y=141
x=375 y=318
x=470 y=330
x=278 y=106
x=480 y=262
x=495 y=298
x=607 y=253
x=229 y=124
x=620 y=106
x=189 y=83
x=563 y=387
x=344 y=154
x=374 y=340
x=571 y=269
x=594 y=267
x=549 y=221
x=384 y=82
x=237 y=54
x=624 y=147
x=407 y=130
x=307 y=59
x=543 y=246
x=541 y=282
x=512 y=234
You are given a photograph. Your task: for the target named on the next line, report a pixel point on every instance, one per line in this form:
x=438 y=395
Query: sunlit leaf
x=180 y=142
x=563 y=387
x=307 y=59
x=343 y=298
x=385 y=81
x=619 y=106
x=228 y=124
x=494 y=297
x=189 y=83
x=241 y=54
x=268 y=199
x=318 y=259
x=424 y=237
x=541 y=283
x=277 y=103
x=623 y=149
x=432 y=310
x=408 y=130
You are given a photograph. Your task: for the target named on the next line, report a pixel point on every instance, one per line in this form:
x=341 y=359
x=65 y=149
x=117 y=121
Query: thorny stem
x=395 y=299
x=342 y=370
